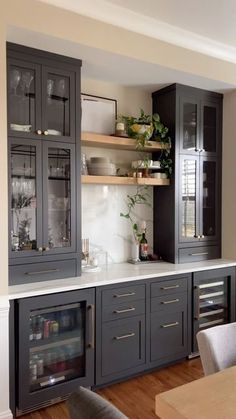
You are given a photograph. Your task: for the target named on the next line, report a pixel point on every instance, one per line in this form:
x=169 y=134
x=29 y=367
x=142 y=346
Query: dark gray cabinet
x=188 y=213
x=44 y=165
x=56 y=346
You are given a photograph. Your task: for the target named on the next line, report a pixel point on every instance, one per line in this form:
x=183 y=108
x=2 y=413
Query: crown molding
x=124 y=18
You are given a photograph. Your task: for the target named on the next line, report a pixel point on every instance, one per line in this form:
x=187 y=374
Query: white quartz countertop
x=114 y=274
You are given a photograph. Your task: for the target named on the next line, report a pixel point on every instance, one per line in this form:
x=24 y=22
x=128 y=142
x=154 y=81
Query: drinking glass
x=15 y=79
x=26 y=79
x=85 y=250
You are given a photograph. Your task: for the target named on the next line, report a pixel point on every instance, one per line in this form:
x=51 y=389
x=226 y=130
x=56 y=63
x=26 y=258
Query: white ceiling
x=159 y=18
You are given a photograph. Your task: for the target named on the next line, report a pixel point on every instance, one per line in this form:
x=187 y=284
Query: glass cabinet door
x=189 y=199
x=59 y=202
x=56 y=345
x=210 y=134
x=209 y=198
x=58 y=96
x=189 y=126
x=24 y=101
x=25 y=193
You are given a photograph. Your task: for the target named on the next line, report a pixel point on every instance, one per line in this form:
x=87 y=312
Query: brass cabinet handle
x=42 y=272
x=45 y=132
x=39 y=131
x=202 y=236
x=129 y=335
x=176 y=300
x=202 y=150
x=198 y=254
x=40 y=249
x=124 y=295
x=197 y=150
x=164 y=326
x=197 y=236
x=124 y=311
x=91 y=326
x=170 y=287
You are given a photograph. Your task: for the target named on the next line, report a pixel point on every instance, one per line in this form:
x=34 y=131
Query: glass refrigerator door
x=56 y=345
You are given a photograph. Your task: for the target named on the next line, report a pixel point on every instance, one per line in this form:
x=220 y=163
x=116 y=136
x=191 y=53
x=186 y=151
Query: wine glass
x=15 y=80
x=50 y=85
x=26 y=79
x=61 y=87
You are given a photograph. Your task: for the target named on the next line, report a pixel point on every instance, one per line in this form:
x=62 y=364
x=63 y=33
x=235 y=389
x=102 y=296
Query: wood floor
x=135 y=397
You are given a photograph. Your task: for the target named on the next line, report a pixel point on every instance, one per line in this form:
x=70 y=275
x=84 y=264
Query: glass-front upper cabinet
x=189 y=126
x=189 y=199
x=41 y=101
x=58 y=104
x=209 y=198
x=56 y=345
x=210 y=128
x=25 y=198
x=59 y=206
x=24 y=102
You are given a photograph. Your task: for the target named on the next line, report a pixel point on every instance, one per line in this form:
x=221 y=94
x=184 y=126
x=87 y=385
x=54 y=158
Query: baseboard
x=6 y=415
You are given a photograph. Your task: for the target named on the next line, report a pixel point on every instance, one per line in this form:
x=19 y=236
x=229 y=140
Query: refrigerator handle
x=91 y=326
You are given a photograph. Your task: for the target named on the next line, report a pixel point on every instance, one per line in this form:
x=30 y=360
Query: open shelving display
x=90 y=139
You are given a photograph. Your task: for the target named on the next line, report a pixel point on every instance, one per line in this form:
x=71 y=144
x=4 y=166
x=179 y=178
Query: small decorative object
x=98 y=114
x=84 y=168
x=120 y=129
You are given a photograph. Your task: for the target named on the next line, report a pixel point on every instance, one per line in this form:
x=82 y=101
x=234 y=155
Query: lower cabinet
x=142 y=325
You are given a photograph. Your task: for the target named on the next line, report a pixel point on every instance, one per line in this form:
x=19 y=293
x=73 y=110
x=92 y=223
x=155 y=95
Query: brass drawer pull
x=169 y=325
x=198 y=254
x=124 y=311
x=42 y=272
x=176 y=300
x=171 y=287
x=124 y=295
x=129 y=335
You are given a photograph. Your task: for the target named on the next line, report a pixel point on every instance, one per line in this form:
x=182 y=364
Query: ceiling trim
x=119 y=16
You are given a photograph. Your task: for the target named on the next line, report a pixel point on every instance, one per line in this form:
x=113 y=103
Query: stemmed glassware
x=26 y=80
x=85 y=251
x=15 y=80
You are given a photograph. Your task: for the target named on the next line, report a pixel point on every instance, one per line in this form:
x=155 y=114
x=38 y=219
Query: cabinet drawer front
x=174 y=302
x=43 y=271
x=196 y=254
x=168 y=335
x=123 y=310
x=123 y=294
x=123 y=345
x=169 y=287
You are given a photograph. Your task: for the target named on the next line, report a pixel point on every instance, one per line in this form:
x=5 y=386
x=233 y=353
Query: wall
x=229 y=177
x=102 y=204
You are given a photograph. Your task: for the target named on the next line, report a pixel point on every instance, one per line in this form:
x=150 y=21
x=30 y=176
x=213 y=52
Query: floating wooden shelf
x=107 y=141
x=118 y=180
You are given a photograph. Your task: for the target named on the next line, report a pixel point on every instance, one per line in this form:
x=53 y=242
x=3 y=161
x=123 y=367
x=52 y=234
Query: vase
x=135 y=251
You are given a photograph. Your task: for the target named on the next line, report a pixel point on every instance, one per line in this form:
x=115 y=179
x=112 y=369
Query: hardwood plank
x=135 y=397
x=119 y=180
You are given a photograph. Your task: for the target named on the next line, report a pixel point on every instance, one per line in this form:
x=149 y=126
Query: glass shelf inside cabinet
x=57 y=348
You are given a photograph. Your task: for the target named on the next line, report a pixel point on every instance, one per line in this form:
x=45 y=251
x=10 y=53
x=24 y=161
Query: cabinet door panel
x=25 y=213
x=59 y=226
x=210 y=136
x=24 y=100
x=189 y=199
x=58 y=98
x=189 y=125
x=209 y=199
x=123 y=345
x=168 y=335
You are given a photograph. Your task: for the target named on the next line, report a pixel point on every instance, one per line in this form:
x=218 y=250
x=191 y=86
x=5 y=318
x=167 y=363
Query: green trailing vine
x=141 y=197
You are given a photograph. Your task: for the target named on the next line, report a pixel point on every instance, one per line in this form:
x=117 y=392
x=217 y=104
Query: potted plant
x=141 y=197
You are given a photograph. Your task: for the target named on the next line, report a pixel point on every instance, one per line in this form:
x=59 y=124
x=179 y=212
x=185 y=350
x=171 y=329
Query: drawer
x=43 y=271
x=196 y=254
x=168 y=304
x=123 y=294
x=169 y=286
x=123 y=310
x=123 y=345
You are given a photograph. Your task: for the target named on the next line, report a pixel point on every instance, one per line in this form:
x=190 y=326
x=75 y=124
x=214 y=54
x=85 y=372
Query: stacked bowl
x=101 y=166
